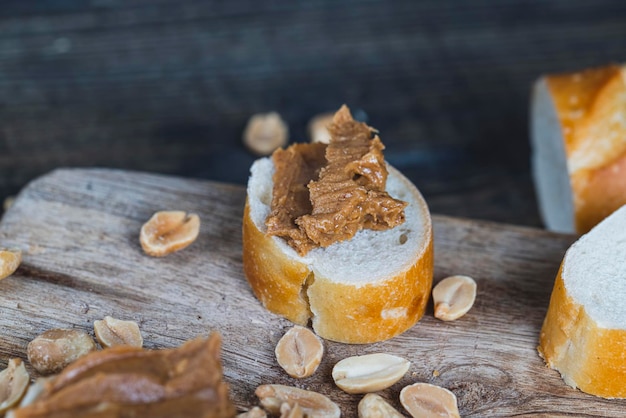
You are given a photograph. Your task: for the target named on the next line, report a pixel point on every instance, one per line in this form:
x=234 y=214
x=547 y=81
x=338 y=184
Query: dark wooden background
x=167 y=86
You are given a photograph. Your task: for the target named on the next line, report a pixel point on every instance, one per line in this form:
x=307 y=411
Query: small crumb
x=34 y=249
x=435 y=373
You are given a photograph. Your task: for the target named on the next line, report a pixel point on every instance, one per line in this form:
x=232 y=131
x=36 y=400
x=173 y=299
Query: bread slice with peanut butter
x=341 y=238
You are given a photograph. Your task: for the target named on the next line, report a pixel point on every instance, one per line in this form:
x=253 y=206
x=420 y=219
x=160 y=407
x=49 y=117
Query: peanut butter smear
x=326 y=194
x=126 y=381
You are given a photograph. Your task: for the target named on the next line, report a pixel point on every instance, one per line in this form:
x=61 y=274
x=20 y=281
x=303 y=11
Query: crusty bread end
x=584 y=332
x=578 y=126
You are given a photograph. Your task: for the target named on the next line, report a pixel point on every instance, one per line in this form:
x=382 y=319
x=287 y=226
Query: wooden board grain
x=79 y=231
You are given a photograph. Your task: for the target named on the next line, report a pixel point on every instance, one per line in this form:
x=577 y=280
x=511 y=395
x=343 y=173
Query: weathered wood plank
x=79 y=230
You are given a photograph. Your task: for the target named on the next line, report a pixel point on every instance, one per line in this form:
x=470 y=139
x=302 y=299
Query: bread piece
x=584 y=332
x=367 y=289
x=578 y=133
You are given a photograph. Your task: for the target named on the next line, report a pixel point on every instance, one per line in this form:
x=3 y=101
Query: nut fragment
x=313 y=404
x=111 y=332
x=291 y=411
x=13 y=383
x=265 y=132
x=426 y=400
x=453 y=297
x=374 y=406
x=255 y=412
x=369 y=373
x=168 y=231
x=56 y=348
x=299 y=352
x=318 y=128
x=10 y=259
x=33 y=392
x=8 y=203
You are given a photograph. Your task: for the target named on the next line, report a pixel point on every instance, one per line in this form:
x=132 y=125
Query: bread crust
x=588 y=356
x=589 y=106
x=343 y=312
x=276 y=280
x=360 y=315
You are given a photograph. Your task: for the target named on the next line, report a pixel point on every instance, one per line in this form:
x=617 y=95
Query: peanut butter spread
x=126 y=381
x=326 y=194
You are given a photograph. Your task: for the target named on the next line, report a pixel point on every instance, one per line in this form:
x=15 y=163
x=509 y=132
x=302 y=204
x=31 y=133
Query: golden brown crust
x=590 y=107
x=275 y=279
x=587 y=356
x=359 y=315
x=574 y=95
x=599 y=192
x=342 y=312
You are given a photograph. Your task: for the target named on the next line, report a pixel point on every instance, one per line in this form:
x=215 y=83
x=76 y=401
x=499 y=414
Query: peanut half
x=369 y=373
x=13 y=384
x=168 y=231
x=265 y=132
x=111 y=332
x=33 y=392
x=313 y=404
x=10 y=260
x=56 y=348
x=375 y=406
x=289 y=411
x=423 y=400
x=318 y=128
x=299 y=352
x=453 y=297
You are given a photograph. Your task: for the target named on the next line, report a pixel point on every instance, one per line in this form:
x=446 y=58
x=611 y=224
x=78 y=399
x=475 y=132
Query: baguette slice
x=367 y=289
x=584 y=332
x=578 y=136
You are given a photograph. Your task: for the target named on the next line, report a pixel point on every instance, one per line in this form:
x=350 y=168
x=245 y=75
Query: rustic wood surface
x=167 y=85
x=79 y=231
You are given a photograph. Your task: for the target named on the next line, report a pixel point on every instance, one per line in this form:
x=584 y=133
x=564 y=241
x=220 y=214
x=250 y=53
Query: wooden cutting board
x=82 y=260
